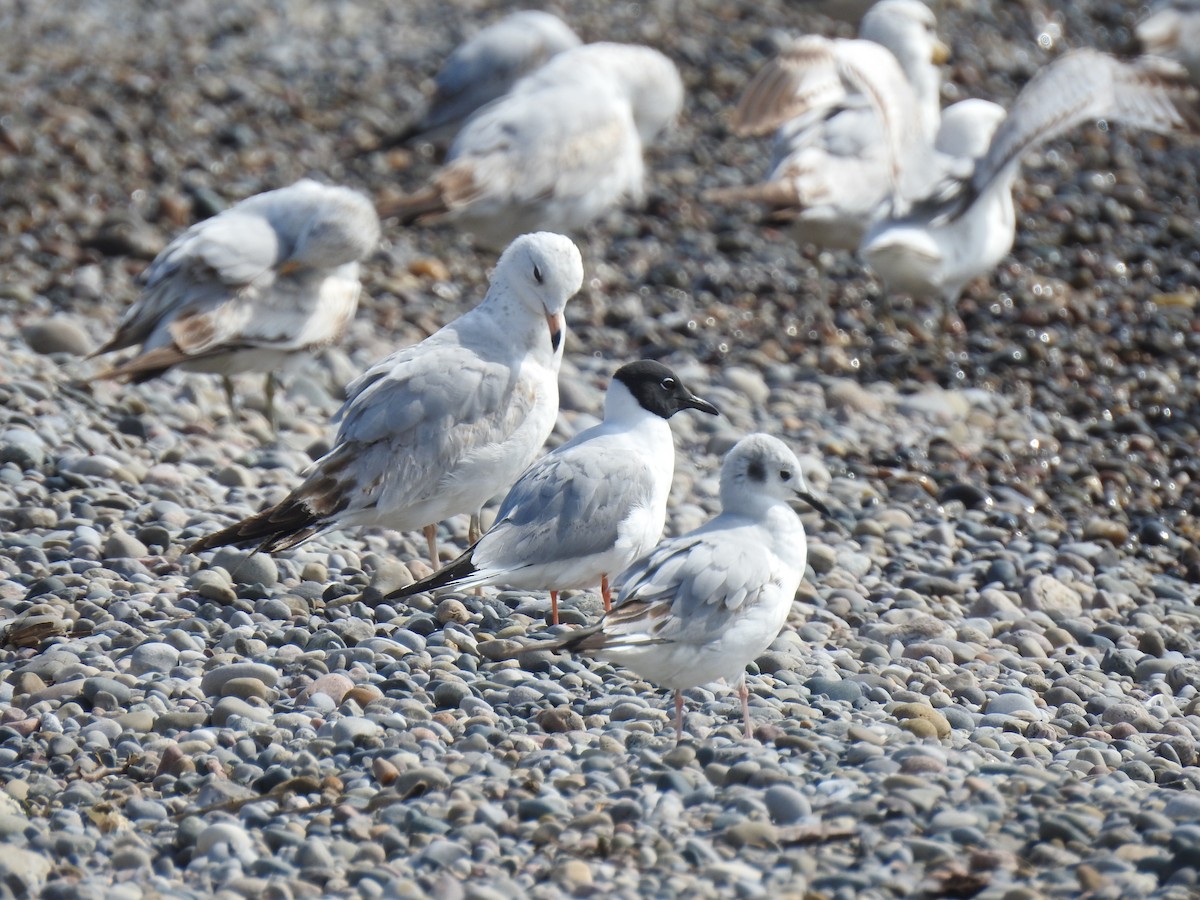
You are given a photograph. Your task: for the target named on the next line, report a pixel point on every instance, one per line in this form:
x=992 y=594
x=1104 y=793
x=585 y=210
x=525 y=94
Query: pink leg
x=554 y=607
x=605 y=593
x=678 y=716
x=744 y=695
x=474 y=532
x=431 y=539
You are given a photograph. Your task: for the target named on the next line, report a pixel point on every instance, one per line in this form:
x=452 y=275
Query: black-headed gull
x=589 y=508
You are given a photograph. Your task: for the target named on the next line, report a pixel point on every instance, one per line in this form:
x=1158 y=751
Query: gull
x=1172 y=29
x=853 y=118
x=589 y=508
x=252 y=288
x=486 y=67
x=703 y=605
x=563 y=147
x=437 y=429
x=968 y=224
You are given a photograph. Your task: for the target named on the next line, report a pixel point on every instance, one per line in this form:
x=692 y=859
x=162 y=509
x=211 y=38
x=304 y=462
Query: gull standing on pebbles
x=968 y=224
x=854 y=120
x=703 y=605
x=269 y=279
x=563 y=147
x=438 y=429
x=1172 y=29
x=486 y=66
x=588 y=508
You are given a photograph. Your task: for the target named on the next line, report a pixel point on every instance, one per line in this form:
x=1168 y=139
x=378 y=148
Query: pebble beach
x=989 y=685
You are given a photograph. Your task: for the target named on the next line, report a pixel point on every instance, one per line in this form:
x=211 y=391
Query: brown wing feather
x=452 y=187
x=297 y=517
x=149 y=365
x=802 y=76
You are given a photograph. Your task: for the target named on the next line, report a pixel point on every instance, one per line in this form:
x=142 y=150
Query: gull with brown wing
x=968 y=223
x=252 y=288
x=438 y=429
x=563 y=147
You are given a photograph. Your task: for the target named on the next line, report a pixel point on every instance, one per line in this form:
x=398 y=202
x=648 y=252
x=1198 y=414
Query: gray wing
x=410 y=425
x=486 y=66
x=812 y=76
x=434 y=387
x=207 y=266
x=1083 y=86
x=567 y=505
x=690 y=587
x=557 y=141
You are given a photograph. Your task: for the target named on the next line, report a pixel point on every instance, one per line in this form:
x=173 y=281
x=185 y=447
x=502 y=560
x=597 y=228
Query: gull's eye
x=668 y=383
x=537 y=275
x=785 y=474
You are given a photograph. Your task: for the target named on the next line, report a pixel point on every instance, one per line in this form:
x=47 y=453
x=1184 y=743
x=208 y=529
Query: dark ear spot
x=757 y=471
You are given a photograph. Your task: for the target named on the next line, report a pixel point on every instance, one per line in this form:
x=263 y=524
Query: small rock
x=247 y=568
x=124 y=546
x=153 y=656
x=752 y=834
x=451 y=610
x=214 y=679
x=559 y=720
x=388 y=576
x=1047 y=594
x=58 y=334
x=574 y=874
x=919 y=719
x=785 y=804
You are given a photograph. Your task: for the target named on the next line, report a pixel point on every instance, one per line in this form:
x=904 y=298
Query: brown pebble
x=451 y=610
x=334 y=685
x=560 y=719
x=429 y=267
x=362 y=694
x=933 y=723
x=385 y=773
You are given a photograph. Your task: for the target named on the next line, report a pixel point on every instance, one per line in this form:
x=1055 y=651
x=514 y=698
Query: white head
x=542 y=271
x=332 y=226
x=760 y=471
x=545 y=30
x=647 y=79
x=908 y=28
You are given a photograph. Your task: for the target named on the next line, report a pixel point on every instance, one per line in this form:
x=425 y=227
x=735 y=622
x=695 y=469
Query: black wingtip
x=446 y=576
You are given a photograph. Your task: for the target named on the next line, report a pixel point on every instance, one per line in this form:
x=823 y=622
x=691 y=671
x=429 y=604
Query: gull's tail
x=452 y=187
x=425 y=204
x=145 y=366
x=775 y=194
x=578 y=639
x=307 y=510
x=278 y=528
x=454 y=575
